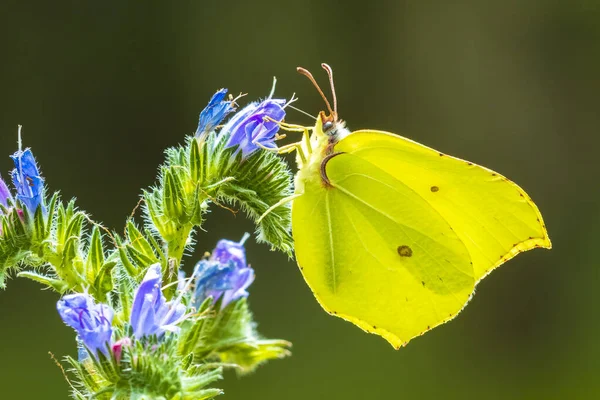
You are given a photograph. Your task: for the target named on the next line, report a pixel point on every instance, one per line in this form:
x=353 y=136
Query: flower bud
x=216 y=110
x=27 y=180
x=117 y=348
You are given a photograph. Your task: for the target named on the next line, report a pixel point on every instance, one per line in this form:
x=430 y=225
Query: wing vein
x=330 y=228
x=433 y=305
x=436 y=171
x=402 y=226
x=421 y=247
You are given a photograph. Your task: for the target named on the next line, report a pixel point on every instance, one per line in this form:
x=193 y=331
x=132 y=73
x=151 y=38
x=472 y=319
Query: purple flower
x=227 y=250
x=27 y=180
x=224 y=275
x=216 y=110
x=249 y=128
x=5 y=195
x=151 y=314
x=93 y=322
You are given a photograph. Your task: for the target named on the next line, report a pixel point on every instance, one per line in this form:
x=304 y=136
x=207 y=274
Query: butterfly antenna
x=327 y=68
x=306 y=73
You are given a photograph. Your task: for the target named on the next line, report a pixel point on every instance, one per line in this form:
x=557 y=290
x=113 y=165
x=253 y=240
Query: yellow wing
x=399 y=238
x=491 y=215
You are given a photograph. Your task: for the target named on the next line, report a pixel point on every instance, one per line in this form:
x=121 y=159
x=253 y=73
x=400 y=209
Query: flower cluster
x=150 y=314
x=224 y=276
x=140 y=331
x=251 y=128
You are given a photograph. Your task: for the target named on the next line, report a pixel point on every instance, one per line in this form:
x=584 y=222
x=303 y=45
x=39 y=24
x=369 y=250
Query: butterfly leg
x=295 y=128
x=288 y=148
x=299 y=128
x=281 y=202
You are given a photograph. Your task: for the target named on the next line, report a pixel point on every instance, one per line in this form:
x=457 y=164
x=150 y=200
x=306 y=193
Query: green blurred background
x=103 y=87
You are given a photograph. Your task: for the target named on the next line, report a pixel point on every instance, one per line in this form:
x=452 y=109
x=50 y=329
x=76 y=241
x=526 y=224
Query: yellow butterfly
x=393 y=236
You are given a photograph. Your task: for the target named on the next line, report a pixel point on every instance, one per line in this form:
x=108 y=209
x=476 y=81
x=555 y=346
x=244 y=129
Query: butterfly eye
x=327 y=126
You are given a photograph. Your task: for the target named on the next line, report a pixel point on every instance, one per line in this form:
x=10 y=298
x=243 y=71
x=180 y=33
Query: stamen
x=244 y=238
x=273 y=88
x=291 y=100
x=302 y=111
x=19 y=141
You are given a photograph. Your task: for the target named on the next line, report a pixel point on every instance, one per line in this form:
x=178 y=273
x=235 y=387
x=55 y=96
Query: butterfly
x=394 y=236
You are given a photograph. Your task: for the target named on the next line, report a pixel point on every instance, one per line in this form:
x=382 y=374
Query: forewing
x=491 y=215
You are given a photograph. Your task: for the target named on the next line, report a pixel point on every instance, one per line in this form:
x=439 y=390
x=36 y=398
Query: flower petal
x=27 y=180
x=93 y=322
x=224 y=276
x=150 y=313
x=214 y=112
x=5 y=194
x=255 y=124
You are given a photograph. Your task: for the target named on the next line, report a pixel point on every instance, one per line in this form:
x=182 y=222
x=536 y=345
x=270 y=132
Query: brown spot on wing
x=405 y=251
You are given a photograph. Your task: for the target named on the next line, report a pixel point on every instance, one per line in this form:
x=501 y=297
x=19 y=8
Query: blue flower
x=216 y=110
x=151 y=314
x=224 y=275
x=27 y=180
x=5 y=195
x=93 y=322
x=227 y=250
x=249 y=128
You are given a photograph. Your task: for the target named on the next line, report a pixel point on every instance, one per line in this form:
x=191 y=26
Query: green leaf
x=198 y=206
x=138 y=241
x=75 y=225
x=131 y=269
x=173 y=197
x=51 y=214
x=248 y=356
x=140 y=259
x=57 y=284
x=95 y=255
x=192 y=330
x=261 y=181
x=230 y=336
x=15 y=243
x=196 y=162
x=39 y=226
x=103 y=283
x=157 y=249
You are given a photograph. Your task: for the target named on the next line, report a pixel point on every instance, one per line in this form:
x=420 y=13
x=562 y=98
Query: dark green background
x=103 y=87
